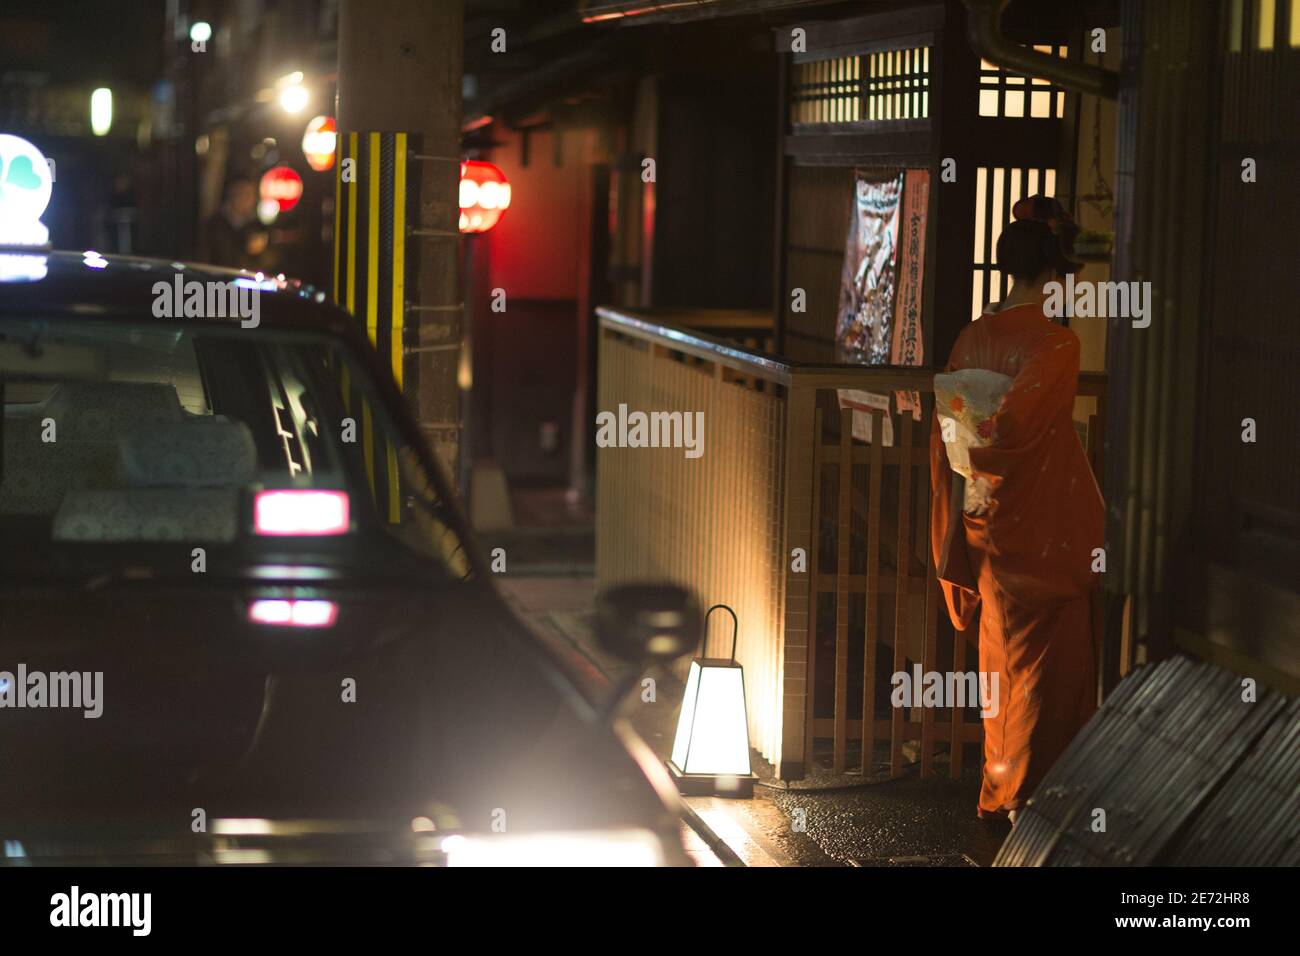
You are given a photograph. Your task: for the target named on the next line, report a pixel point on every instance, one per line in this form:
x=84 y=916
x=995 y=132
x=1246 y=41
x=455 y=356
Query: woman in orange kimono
x=1025 y=560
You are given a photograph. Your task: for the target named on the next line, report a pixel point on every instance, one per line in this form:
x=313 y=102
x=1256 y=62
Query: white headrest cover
x=197 y=454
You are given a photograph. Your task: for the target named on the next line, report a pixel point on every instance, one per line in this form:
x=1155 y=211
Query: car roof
x=56 y=284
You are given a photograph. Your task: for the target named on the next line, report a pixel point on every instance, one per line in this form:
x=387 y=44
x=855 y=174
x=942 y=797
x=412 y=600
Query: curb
x=714 y=842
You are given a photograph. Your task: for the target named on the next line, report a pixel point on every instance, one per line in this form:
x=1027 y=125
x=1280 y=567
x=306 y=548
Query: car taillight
x=300 y=512
x=293 y=612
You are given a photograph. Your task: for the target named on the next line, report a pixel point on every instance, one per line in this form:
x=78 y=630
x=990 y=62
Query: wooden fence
x=816 y=539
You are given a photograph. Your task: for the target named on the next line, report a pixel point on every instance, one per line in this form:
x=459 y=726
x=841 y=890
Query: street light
x=292 y=94
x=101 y=111
x=711 y=748
x=293 y=99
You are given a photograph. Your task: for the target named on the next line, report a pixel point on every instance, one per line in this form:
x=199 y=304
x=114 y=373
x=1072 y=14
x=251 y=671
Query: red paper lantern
x=281 y=185
x=319 y=143
x=484 y=196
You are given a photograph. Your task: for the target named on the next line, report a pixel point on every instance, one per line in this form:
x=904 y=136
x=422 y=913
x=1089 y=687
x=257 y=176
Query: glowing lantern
x=711 y=748
x=484 y=195
x=319 y=143
x=281 y=185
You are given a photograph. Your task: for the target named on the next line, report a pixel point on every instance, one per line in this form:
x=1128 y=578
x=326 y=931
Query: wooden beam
x=872 y=585
x=842 y=531
x=904 y=443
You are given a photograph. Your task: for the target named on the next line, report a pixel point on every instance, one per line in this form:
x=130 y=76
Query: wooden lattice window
x=996 y=190
x=1003 y=93
x=883 y=85
x=827 y=91
x=898 y=84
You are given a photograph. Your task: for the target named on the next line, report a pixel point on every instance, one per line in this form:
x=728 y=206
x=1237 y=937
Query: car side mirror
x=643 y=623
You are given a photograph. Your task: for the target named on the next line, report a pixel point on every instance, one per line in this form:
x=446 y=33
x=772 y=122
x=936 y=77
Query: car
x=243 y=618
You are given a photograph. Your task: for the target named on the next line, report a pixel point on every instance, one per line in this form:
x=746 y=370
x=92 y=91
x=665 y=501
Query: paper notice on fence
x=862 y=403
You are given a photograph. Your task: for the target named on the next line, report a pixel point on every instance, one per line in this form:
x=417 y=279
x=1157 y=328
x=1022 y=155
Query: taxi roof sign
x=25 y=189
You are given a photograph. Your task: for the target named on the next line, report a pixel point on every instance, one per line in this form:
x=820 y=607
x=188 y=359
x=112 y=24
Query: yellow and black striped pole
x=372 y=264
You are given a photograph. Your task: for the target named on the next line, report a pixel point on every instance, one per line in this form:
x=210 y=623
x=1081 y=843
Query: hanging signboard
x=878 y=321
x=908 y=347
x=866 y=306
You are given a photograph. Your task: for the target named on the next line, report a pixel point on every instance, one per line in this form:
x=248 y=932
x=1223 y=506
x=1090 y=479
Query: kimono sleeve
x=947 y=533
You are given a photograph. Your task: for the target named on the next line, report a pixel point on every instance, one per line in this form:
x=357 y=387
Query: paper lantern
x=319 y=143
x=282 y=185
x=711 y=749
x=484 y=196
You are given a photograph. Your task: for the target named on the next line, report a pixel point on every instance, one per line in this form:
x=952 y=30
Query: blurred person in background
x=232 y=236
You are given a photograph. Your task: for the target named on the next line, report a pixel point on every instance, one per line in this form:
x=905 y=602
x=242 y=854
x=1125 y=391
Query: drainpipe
x=984 y=25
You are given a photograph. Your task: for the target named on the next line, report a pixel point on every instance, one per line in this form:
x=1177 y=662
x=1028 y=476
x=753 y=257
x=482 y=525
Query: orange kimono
x=1026 y=562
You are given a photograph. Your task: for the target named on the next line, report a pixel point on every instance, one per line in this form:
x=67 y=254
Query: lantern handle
x=735 y=629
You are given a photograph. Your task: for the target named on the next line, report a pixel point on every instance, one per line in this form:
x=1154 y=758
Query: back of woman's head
x=1028 y=248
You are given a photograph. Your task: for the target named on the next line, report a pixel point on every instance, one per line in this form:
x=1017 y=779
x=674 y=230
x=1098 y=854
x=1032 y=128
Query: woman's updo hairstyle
x=1027 y=248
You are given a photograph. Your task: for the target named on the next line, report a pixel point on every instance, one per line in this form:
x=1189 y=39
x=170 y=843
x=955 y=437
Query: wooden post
x=843 y=532
x=872 y=628
x=800 y=588
x=814 y=569
x=903 y=442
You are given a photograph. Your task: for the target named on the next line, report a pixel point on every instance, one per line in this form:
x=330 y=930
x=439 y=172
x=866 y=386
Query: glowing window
x=827 y=91
x=898 y=84
x=1266 y=23
x=997 y=189
x=1003 y=93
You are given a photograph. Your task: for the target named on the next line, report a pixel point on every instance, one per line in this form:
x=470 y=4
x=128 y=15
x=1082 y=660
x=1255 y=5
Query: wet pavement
x=903 y=822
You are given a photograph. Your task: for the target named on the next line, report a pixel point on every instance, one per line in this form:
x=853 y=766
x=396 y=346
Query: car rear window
x=117 y=432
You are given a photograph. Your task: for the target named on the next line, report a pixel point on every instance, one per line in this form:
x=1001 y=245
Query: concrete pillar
x=400 y=65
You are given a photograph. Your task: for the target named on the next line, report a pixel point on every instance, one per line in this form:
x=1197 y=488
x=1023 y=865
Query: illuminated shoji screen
x=898 y=84
x=997 y=189
x=827 y=91
x=1003 y=93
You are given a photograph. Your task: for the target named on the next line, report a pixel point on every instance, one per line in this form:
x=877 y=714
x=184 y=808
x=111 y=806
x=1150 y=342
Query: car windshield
x=120 y=437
